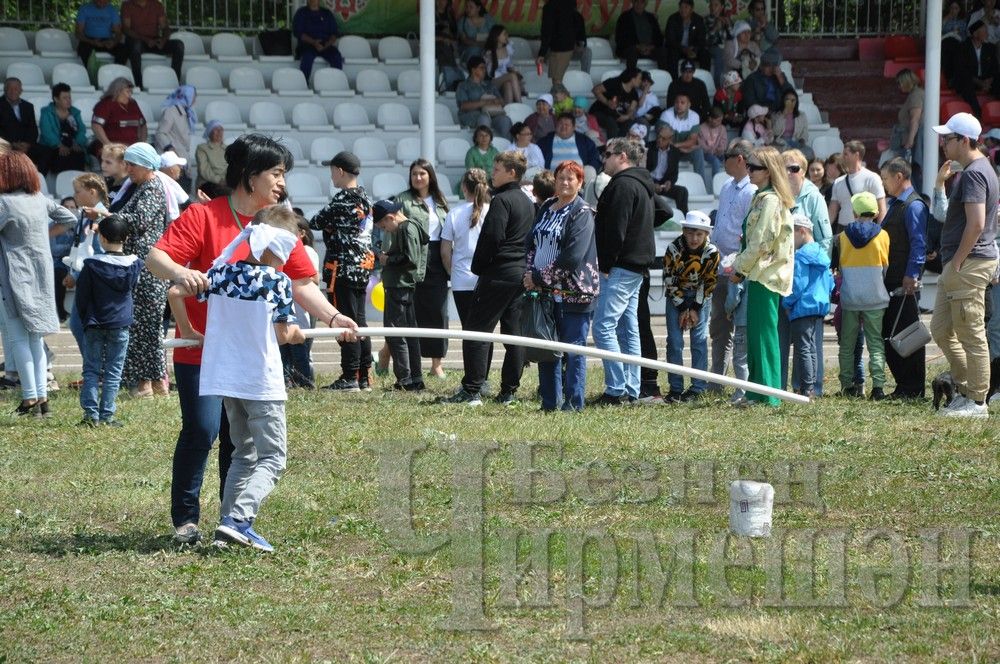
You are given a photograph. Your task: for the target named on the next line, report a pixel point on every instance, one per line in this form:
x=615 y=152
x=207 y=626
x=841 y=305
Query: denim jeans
x=260 y=448
x=740 y=368
x=716 y=166
x=76 y=326
x=787 y=338
x=675 y=347
x=616 y=328
x=28 y=351
x=801 y=335
x=103 y=360
x=572 y=328
x=202 y=420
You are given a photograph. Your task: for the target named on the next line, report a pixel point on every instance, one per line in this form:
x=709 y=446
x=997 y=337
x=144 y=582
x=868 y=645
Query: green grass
x=88 y=570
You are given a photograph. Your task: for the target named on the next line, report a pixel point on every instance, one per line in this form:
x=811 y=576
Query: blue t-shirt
x=98 y=22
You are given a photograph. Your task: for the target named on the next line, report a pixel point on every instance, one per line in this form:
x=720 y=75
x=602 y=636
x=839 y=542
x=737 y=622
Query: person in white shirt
x=459 y=235
x=522 y=136
x=686 y=125
x=855 y=179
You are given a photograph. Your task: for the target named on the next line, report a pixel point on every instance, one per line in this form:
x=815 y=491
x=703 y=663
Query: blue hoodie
x=811 y=284
x=104 y=290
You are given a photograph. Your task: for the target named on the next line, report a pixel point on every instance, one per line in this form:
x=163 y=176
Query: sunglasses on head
x=753 y=168
x=793 y=168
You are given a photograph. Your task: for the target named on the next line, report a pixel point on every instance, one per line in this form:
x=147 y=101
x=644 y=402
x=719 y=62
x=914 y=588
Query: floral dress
x=145 y=211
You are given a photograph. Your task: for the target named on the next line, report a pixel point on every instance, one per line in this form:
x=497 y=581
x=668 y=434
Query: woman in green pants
x=767 y=262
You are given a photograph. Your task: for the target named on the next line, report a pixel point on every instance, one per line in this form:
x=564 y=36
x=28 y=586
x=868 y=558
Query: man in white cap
x=969 y=256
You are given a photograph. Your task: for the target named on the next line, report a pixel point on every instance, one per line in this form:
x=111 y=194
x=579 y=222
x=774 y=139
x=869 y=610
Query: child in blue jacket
x=808 y=302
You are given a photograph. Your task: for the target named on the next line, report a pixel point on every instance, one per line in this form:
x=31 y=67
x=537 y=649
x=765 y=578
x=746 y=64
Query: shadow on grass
x=985 y=589
x=96 y=543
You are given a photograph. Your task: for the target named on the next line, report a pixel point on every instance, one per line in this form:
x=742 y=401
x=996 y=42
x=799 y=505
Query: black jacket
x=502 y=247
x=562 y=27
x=673 y=162
x=14 y=130
x=624 y=222
x=965 y=69
x=674 y=31
x=625 y=30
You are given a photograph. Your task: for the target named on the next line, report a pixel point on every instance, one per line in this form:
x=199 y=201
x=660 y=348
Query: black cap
x=346 y=160
x=384 y=207
x=975 y=25
x=687 y=65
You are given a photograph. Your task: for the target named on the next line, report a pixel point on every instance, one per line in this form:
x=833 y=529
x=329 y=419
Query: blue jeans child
x=675 y=348
x=103 y=360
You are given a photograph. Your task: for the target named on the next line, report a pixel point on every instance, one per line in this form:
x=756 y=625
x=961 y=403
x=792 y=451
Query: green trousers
x=763 y=354
x=871 y=321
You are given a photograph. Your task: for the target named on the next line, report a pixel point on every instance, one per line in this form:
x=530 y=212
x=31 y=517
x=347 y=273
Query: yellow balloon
x=378 y=296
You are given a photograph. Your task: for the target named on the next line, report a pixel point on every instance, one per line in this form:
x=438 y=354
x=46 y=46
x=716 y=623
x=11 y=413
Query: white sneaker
x=967 y=408
x=959 y=400
x=994 y=399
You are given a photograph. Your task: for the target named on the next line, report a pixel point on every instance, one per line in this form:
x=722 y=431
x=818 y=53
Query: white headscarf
x=261 y=238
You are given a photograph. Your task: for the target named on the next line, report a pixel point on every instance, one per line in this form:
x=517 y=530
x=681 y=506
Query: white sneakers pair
x=962 y=406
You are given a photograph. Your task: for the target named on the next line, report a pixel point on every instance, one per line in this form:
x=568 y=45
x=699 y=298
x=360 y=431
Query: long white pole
x=932 y=93
x=428 y=72
x=424 y=333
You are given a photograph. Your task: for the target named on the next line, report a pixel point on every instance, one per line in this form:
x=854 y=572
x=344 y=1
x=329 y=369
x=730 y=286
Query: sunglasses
x=793 y=168
x=610 y=154
x=753 y=168
x=731 y=155
x=950 y=137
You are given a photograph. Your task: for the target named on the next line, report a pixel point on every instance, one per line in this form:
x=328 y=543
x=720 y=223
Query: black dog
x=944 y=389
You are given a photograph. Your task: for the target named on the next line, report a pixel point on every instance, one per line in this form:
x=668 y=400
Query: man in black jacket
x=662 y=162
x=625 y=248
x=18 y=126
x=638 y=35
x=563 y=34
x=499 y=262
x=686 y=37
x=976 y=69
x=694 y=88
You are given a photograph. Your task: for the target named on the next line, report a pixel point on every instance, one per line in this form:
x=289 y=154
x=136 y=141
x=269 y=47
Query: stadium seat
x=811 y=112
x=824 y=146
x=64 y=183
x=991 y=114
x=294 y=147
x=108 y=73
x=395 y=51
x=451 y=151
x=356 y=50
x=517 y=111
x=348 y=116
x=444 y=184
x=85 y=104
x=290 y=82
x=310 y=116
x=522 y=52
x=694 y=183
x=247 y=81
x=387 y=185
x=705 y=77
x=152 y=118
x=601 y=53
x=304 y=188
x=408 y=150
x=268 y=116
x=444 y=118
x=661 y=81
x=225 y=112
x=950 y=108
x=52 y=42
x=373 y=83
x=901 y=46
x=32 y=78
x=205 y=80
x=194 y=45
x=408 y=83
x=72 y=74
x=331 y=82
x=871 y=48
x=227 y=47
x=13 y=44
x=718 y=181
x=601 y=74
x=893 y=67
x=500 y=143
x=393 y=116
x=324 y=148
x=159 y=79
x=372 y=152
x=578 y=82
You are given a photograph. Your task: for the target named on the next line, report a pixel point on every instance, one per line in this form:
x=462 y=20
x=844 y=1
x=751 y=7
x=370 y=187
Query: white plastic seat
x=826 y=145
x=705 y=77
x=324 y=148
x=408 y=83
x=693 y=182
x=372 y=152
x=356 y=50
x=268 y=116
x=194 y=45
x=108 y=73
x=205 y=80
x=387 y=185
x=786 y=68
x=602 y=73
x=309 y=115
x=290 y=82
x=304 y=188
x=331 y=82
x=517 y=111
x=444 y=118
x=522 y=51
x=601 y=52
x=661 y=81
x=86 y=106
x=500 y=143
x=451 y=151
x=159 y=79
x=348 y=116
x=72 y=74
x=373 y=83
x=719 y=181
x=578 y=82
x=393 y=116
x=394 y=50
x=247 y=81
x=444 y=184
x=811 y=112
x=52 y=42
x=408 y=150
x=294 y=147
x=152 y=119
x=227 y=47
x=31 y=75
x=13 y=43
x=225 y=112
x=64 y=183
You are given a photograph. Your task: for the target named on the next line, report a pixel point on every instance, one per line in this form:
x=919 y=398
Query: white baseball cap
x=170 y=158
x=802 y=220
x=963 y=124
x=547 y=98
x=697 y=220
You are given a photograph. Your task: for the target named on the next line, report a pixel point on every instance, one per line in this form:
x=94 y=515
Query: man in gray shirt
x=969 y=256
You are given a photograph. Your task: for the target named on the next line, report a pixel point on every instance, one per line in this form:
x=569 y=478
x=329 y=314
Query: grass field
x=88 y=570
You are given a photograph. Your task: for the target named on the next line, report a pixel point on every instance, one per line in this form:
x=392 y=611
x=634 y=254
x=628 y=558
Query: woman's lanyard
x=236 y=217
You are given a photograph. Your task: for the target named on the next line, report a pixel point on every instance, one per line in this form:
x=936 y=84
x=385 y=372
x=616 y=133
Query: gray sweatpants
x=720 y=329
x=257 y=429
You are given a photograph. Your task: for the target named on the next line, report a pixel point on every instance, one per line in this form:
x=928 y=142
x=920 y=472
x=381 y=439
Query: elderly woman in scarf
x=211 y=159
x=177 y=122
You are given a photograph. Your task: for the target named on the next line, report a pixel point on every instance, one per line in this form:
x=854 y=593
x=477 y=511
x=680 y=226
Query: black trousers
x=493 y=302
x=660 y=54
x=56 y=163
x=910 y=372
x=679 y=195
x=463 y=304
x=59 y=273
x=135 y=48
x=405 y=351
x=431 y=302
x=356 y=356
x=647 y=342
x=119 y=52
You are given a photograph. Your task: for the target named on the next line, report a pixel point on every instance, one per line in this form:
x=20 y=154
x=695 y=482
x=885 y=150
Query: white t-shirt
x=464 y=240
x=532 y=153
x=433 y=221
x=863 y=180
x=682 y=126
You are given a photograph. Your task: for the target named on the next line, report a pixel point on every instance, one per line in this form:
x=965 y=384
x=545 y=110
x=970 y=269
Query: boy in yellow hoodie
x=864 y=257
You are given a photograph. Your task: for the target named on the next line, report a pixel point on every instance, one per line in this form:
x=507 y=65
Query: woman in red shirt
x=117 y=118
x=256 y=174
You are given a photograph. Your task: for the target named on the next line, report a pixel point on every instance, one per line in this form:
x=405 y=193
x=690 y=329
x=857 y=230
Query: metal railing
x=847 y=18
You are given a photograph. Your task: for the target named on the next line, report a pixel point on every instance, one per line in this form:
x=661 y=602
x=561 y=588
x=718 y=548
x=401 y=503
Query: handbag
x=538 y=321
x=82 y=249
x=911 y=338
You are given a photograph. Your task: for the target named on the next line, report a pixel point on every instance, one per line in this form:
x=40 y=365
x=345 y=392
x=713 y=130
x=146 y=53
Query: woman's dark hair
x=113 y=228
x=478 y=3
x=58 y=89
x=491 y=46
x=516 y=129
x=629 y=74
x=307 y=234
x=67 y=199
x=432 y=182
x=795 y=110
x=482 y=128
x=252 y=154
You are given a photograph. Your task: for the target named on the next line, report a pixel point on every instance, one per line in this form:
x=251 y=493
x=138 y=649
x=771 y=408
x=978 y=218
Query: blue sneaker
x=241 y=532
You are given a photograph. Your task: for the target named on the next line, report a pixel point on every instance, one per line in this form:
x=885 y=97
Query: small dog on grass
x=944 y=389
